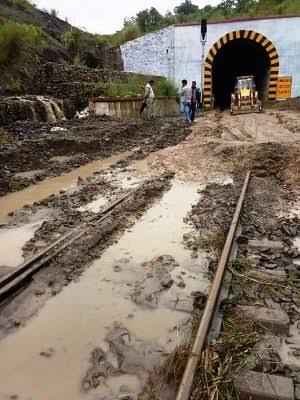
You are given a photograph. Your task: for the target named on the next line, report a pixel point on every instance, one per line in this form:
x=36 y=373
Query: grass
x=129 y=32
x=23 y=4
x=248 y=287
x=16 y=40
x=79 y=62
x=134 y=87
x=218 y=364
x=221 y=362
x=72 y=39
x=14 y=85
x=214 y=241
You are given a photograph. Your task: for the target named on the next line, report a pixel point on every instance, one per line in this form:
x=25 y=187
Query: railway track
x=212 y=302
x=13 y=281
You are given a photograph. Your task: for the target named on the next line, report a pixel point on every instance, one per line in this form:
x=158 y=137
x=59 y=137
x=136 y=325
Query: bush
x=79 y=62
x=14 y=85
x=16 y=39
x=166 y=88
x=53 y=12
x=72 y=39
x=130 y=32
x=133 y=87
x=24 y=4
x=34 y=35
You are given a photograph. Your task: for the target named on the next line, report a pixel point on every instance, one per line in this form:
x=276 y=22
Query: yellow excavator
x=245 y=97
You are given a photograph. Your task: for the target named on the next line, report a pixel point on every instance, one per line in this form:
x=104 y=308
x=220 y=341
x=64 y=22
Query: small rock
x=296 y=353
x=289 y=341
x=270 y=265
x=117 y=268
x=297 y=392
x=181 y=284
x=124 y=389
x=39 y=292
x=55 y=291
x=47 y=354
x=298 y=325
x=166 y=284
x=130 y=316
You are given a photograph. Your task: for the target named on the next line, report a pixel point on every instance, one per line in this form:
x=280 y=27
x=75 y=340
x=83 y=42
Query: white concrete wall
x=148 y=54
x=284 y=33
x=152 y=54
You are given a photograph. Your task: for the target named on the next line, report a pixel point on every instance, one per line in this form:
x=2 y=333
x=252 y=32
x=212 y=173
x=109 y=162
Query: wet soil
x=31 y=146
x=131 y=286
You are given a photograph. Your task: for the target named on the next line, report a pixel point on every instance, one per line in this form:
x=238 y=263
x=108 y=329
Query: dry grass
x=219 y=363
x=250 y=288
x=214 y=241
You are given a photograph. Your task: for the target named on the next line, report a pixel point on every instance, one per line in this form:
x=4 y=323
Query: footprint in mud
x=119 y=354
x=157 y=279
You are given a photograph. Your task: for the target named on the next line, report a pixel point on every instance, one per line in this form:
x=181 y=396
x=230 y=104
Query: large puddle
x=12 y=240
x=17 y=200
x=115 y=311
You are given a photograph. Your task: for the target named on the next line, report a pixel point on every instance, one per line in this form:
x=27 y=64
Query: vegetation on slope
x=149 y=20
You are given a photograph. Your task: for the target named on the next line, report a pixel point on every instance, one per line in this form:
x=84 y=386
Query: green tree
x=226 y=7
x=244 y=6
x=149 y=20
x=186 y=8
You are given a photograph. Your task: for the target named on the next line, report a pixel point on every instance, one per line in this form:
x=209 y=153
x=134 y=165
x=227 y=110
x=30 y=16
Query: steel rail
x=11 y=281
x=186 y=383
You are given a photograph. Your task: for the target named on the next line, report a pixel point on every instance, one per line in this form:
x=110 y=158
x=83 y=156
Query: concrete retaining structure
x=130 y=107
x=175 y=52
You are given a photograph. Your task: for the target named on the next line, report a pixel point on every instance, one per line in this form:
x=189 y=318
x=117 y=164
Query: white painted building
x=266 y=48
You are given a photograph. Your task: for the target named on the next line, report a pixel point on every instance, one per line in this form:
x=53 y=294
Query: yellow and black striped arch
x=241 y=34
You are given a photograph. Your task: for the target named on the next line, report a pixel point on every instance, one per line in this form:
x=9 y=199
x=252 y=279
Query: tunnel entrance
x=236 y=58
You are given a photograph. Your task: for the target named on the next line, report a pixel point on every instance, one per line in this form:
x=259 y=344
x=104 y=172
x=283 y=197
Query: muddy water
x=61 y=159
x=17 y=200
x=80 y=319
x=28 y=174
x=95 y=205
x=12 y=240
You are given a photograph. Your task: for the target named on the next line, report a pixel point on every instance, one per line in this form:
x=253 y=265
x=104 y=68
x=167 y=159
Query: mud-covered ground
x=118 y=301
x=49 y=149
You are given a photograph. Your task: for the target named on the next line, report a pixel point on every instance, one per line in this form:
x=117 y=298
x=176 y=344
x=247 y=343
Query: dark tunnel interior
x=236 y=58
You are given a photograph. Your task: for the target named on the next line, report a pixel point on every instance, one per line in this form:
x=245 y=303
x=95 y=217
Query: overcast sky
x=107 y=16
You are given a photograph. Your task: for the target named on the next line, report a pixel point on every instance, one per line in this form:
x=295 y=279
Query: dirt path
x=128 y=289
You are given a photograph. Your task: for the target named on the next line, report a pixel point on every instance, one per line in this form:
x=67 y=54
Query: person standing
x=186 y=94
x=149 y=99
x=195 y=99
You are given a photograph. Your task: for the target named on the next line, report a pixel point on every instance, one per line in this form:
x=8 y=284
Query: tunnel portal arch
x=265 y=49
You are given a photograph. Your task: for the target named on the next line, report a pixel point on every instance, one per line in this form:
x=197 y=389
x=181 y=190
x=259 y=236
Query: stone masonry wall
x=69 y=81
x=151 y=54
x=77 y=84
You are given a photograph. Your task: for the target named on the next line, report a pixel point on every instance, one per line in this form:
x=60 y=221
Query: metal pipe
x=198 y=346
x=202 y=69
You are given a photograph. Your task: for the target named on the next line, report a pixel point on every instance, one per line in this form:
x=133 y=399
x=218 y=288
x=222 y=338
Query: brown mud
x=130 y=288
x=31 y=146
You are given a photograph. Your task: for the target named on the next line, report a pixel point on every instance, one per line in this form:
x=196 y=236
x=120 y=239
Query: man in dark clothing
x=194 y=100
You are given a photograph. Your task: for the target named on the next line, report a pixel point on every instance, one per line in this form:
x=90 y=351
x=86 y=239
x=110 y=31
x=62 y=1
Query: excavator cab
x=245 y=96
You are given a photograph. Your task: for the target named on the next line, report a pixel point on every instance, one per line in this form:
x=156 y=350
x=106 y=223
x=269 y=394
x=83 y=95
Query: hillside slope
x=62 y=43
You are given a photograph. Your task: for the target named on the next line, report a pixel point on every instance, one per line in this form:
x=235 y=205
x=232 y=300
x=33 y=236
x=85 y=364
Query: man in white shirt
x=186 y=94
x=149 y=99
